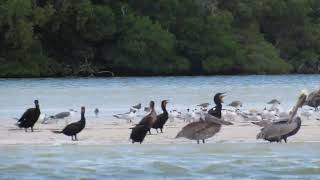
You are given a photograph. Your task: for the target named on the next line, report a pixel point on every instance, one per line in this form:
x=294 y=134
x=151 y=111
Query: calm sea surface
x=204 y=161
x=116 y=95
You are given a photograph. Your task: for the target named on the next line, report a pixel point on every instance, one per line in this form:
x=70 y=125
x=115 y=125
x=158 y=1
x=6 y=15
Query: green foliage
x=158 y=37
x=100 y=24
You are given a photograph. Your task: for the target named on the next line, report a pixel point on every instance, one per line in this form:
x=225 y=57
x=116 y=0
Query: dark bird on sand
x=281 y=130
x=150 y=118
x=138 y=106
x=210 y=123
x=29 y=117
x=161 y=118
x=96 y=112
x=218 y=100
x=74 y=128
x=139 y=132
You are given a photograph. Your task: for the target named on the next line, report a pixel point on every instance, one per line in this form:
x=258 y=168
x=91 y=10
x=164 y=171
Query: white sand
x=102 y=132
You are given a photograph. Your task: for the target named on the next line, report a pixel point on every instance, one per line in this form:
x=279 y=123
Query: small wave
x=169 y=168
x=214 y=169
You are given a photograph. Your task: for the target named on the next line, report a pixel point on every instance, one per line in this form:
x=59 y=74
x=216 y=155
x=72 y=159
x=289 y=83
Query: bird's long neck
x=218 y=109
x=82 y=117
x=37 y=106
x=164 y=108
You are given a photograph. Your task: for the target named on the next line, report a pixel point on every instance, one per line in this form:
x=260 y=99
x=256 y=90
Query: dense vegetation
x=158 y=37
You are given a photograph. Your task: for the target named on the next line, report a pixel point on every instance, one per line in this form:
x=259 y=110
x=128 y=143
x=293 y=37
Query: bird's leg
x=26 y=129
x=285 y=140
x=31 y=129
x=132 y=141
x=76 y=137
x=71 y=138
x=198 y=142
x=161 y=130
x=203 y=141
x=157 y=131
x=149 y=131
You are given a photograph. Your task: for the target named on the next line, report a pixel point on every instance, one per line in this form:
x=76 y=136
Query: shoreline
x=156 y=76
x=99 y=132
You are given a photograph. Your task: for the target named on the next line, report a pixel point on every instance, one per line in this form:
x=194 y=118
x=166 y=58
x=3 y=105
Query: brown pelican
x=209 y=124
x=313 y=99
x=284 y=128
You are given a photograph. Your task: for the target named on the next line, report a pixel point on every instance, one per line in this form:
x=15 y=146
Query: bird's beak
x=221 y=97
x=302 y=99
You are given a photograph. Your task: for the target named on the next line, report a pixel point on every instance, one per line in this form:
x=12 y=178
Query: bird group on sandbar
x=202 y=123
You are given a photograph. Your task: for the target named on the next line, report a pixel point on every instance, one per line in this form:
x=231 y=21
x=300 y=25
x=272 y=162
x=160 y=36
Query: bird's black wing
x=212 y=111
x=72 y=127
x=26 y=114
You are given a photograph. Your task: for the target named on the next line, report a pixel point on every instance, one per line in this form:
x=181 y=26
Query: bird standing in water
x=29 y=117
x=74 y=128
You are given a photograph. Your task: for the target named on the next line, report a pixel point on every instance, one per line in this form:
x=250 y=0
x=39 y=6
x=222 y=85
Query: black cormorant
x=74 y=128
x=29 y=117
x=161 y=118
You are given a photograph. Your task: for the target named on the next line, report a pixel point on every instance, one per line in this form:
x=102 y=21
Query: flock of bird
x=202 y=123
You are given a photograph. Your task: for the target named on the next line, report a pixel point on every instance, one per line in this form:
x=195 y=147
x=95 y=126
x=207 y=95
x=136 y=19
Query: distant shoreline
x=146 y=76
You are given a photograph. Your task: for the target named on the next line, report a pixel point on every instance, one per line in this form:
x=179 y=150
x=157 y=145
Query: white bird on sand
x=174 y=114
x=63 y=115
x=306 y=113
x=127 y=116
x=236 y=104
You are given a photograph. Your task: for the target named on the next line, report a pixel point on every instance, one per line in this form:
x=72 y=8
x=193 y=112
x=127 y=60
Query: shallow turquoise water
x=116 y=95
x=205 y=161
